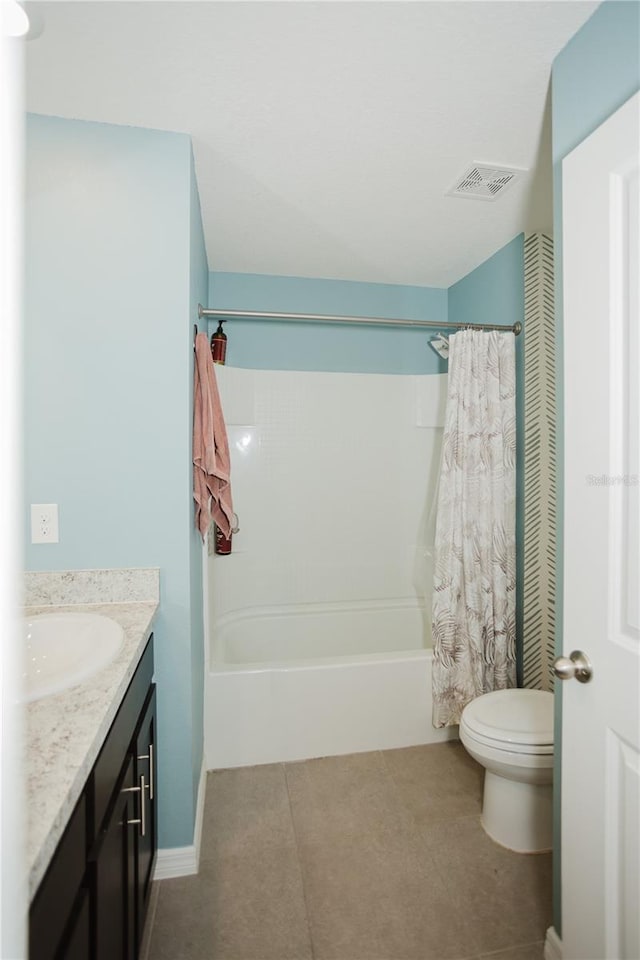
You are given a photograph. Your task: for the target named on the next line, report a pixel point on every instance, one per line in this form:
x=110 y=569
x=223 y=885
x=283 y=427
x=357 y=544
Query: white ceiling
x=326 y=134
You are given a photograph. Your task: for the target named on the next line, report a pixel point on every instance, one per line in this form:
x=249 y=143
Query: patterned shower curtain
x=473 y=607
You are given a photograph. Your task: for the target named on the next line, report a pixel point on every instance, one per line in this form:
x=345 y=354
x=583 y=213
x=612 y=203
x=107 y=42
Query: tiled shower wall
x=334 y=478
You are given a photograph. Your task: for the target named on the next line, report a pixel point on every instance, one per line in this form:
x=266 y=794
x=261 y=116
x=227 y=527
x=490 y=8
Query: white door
x=601 y=719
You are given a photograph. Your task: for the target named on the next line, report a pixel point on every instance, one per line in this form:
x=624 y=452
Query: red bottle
x=219 y=345
x=223 y=544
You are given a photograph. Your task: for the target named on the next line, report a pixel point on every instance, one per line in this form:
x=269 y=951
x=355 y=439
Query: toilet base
x=518 y=815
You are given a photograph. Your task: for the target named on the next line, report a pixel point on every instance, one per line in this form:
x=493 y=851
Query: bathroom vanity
x=92 y=833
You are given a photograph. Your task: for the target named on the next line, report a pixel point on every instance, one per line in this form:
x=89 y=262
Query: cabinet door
x=146 y=777
x=53 y=909
x=115 y=874
x=78 y=943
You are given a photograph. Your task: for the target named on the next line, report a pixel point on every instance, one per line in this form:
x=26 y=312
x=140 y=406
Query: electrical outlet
x=44 y=523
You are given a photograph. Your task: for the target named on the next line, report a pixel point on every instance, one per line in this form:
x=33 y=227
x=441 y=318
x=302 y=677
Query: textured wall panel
x=540 y=464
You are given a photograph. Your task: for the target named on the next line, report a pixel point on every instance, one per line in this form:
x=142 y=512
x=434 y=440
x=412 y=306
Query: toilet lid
x=513 y=716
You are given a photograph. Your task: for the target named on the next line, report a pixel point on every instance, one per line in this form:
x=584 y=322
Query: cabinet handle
x=143 y=806
x=149 y=757
x=142 y=820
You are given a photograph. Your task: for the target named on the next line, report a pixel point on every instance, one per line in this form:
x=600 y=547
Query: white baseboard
x=197 y=830
x=184 y=861
x=175 y=862
x=552 y=945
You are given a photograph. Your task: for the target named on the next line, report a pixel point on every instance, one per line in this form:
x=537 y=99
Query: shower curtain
x=473 y=607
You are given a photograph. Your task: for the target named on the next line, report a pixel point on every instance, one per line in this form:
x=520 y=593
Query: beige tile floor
x=373 y=856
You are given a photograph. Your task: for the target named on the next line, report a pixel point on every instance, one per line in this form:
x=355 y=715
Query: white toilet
x=510 y=732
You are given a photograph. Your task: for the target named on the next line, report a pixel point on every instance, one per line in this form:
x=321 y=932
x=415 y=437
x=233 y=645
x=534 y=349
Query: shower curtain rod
x=515 y=328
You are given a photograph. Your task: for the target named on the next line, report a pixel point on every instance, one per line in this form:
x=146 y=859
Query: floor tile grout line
x=297 y=842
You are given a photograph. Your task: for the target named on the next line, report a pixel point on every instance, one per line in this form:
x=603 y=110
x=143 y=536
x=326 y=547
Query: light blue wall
x=597 y=71
x=494 y=293
x=109 y=218
x=311 y=346
x=592 y=76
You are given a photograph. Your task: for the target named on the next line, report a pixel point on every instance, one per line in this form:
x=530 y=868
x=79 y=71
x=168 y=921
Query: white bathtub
x=270 y=697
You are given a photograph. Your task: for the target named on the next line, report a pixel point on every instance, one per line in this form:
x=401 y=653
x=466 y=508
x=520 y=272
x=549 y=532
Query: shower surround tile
x=431 y=400
x=237 y=394
x=298 y=425
x=58 y=587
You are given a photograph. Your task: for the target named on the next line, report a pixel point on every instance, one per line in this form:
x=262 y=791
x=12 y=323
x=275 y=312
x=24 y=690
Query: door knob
x=577 y=665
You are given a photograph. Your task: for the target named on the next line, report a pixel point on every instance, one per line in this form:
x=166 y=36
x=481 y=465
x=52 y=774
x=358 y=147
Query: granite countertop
x=65 y=732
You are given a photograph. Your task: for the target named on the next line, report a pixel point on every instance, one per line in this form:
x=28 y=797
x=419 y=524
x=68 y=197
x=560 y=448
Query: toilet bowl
x=510 y=732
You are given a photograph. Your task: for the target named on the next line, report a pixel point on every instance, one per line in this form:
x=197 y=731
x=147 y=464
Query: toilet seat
x=515 y=720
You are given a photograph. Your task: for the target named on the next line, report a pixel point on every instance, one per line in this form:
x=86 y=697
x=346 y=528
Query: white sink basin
x=64 y=649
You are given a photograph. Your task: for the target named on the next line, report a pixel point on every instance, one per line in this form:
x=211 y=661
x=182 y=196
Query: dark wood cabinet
x=78 y=943
x=145 y=754
x=115 y=873
x=93 y=900
x=54 y=909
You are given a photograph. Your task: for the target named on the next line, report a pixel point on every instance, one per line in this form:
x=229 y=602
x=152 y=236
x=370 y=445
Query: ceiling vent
x=483 y=182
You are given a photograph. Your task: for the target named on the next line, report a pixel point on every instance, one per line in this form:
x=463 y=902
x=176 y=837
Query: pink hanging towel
x=211 y=462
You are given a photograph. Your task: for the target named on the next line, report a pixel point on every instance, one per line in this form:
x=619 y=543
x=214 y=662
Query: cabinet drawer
x=109 y=763
x=54 y=901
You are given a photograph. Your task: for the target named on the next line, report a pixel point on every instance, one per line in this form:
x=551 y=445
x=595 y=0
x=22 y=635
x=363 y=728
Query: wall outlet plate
x=44 y=523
